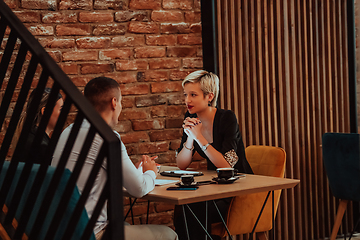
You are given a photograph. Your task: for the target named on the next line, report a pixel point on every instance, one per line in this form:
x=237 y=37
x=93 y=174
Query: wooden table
x=246 y=185
x=249 y=184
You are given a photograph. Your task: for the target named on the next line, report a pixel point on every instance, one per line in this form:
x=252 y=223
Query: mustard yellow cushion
x=244 y=210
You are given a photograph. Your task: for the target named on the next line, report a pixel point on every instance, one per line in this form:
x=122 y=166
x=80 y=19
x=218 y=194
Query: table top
x=246 y=185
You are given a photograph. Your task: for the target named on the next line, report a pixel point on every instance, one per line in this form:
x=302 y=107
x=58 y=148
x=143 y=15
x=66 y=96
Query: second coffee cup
x=225 y=173
x=187 y=179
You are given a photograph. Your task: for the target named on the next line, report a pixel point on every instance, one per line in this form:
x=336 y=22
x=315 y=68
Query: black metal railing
x=24 y=63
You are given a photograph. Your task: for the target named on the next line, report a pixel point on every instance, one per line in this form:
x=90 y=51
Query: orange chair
x=244 y=210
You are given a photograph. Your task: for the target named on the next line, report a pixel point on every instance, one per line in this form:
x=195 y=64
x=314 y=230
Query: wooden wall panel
x=283 y=71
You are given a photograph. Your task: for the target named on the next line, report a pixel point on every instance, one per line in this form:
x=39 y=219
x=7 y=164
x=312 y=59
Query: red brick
x=128 y=102
x=175 y=28
x=93 y=42
x=192 y=16
x=131 y=114
x=69 y=68
x=110 y=4
x=132 y=149
x=137 y=89
x=166 y=134
x=174 y=122
x=149 y=52
x=197 y=6
x=134 y=137
x=167 y=16
x=41 y=30
x=140 y=76
x=156 y=75
x=123 y=126
x=109 y=29
x=96 y=68
x=158 y=111
x=176 y=4
x=175 y=111
x=199 y=52
x=176 y=99
x=161 y=40
x=168 y=158
x=128 y=41
x=166 y=87
x=181 y=51
x=80 y=56
x=179 y=74
x=57 y=43
x=192 y=63
x=80 y=81
x=96 y=17
x=117 y=53
x=126 y=201
x=175 y=144
x=59 y=17
x=143 y=27
x=39 y=4
x=124 y=65
x=123 y=77
x=73 y=30
x=150 y=100
x=130 y=15
x=189 y=39
x=163 y=207
x=149 y=148
x=56 y=55
x=28 y=17
x=11 y=4
x=195 y=28
x=141 y=125
x=145 y=4
x=164 y=63
x=75 y=4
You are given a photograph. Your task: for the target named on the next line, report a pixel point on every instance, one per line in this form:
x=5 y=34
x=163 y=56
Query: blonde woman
x=214 y=134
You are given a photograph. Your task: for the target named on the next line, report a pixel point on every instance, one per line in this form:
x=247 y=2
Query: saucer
x=225 y=181
x=193 y=184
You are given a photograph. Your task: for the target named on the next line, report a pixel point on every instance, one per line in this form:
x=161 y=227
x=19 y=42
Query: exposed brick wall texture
x=148 y=46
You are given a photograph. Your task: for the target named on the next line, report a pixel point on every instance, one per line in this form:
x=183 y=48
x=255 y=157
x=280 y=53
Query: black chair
x=341 y=155
x=39 y=201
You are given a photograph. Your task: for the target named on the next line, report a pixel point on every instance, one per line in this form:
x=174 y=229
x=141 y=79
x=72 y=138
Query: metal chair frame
x=31 y=61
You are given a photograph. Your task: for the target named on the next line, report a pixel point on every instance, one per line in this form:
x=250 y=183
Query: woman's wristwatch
x=205 y=147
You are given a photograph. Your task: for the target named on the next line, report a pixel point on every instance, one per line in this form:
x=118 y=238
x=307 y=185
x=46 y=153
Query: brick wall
x=148 y=46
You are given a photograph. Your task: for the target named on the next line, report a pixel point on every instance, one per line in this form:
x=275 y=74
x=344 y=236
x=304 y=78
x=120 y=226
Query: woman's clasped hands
x=192 y=127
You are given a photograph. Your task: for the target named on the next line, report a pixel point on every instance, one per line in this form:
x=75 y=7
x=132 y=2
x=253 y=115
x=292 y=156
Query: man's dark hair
x=100 y=91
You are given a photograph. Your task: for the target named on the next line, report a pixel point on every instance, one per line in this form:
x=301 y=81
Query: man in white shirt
x=105 y=95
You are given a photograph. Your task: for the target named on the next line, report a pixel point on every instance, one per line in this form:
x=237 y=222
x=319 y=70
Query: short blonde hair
x=209 y=83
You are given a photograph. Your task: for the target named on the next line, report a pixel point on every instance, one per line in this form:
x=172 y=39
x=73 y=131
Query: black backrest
x=25 y=65
x=341 y=155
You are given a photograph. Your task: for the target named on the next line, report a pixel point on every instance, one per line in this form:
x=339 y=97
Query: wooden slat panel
x=284 y=72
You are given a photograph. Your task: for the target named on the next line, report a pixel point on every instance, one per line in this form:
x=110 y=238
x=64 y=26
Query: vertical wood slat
x=284 y=72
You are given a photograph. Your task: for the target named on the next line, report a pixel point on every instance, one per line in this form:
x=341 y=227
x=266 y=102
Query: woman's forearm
x=214 y=156
x=184 y=157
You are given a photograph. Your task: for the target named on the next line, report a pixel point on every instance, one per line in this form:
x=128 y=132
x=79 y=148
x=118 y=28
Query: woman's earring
x=209 y=103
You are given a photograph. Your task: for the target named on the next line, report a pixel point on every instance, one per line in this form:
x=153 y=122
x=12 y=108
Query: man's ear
x=113 y=103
